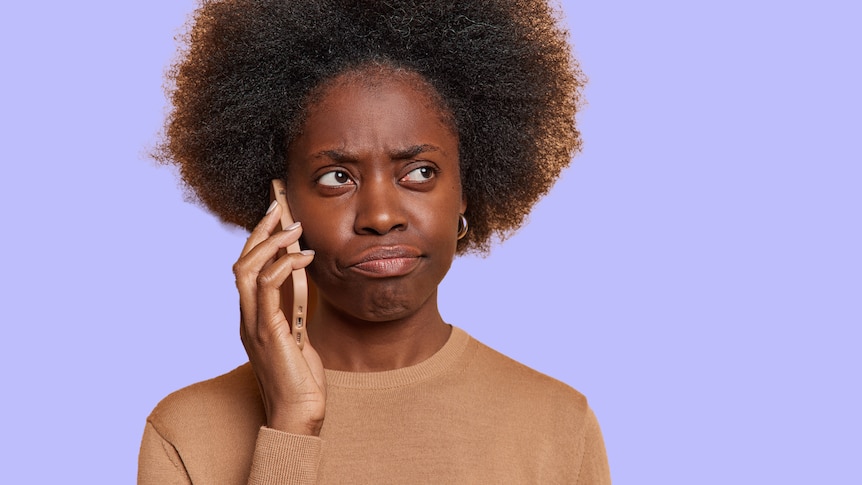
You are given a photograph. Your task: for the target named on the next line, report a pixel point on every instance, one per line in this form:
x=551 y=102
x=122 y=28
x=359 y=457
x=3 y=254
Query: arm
x=594 y=464
x=284 y=458
x=279 y=458
x=158 y=462
x=290 y=377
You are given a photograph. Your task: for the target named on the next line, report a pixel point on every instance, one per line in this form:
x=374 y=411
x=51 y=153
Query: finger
x=265 y=251
x=269 y=282
x=264 y=228
x=248 y=267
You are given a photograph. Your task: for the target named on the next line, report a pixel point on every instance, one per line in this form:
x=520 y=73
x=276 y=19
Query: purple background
x=696 y=272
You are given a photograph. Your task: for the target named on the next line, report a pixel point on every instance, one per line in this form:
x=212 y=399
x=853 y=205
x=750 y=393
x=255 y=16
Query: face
x=374 y=179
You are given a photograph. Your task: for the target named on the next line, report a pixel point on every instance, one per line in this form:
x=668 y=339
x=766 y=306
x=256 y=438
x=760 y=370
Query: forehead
x=382 y=110
x=379 y=78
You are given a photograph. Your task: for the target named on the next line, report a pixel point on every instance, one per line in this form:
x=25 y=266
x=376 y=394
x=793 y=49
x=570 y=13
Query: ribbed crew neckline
x=440 y=362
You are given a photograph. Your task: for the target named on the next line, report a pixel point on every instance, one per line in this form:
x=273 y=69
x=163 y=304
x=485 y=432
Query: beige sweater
x=466 y=415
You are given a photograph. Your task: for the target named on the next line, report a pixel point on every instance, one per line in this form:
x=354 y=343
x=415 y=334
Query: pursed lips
x=387 y=261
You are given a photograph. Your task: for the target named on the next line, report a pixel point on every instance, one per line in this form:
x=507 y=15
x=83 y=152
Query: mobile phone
x=294 y=291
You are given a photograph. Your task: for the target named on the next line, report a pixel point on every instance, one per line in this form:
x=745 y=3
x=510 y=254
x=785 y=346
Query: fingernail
x=292 y=226
x=307 y=252
x=272 y=206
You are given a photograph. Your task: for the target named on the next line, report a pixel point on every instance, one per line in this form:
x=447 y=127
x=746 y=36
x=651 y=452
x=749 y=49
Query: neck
x=348 y=344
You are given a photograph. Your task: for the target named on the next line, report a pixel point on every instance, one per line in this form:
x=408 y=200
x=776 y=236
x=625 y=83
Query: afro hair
x=243 y=79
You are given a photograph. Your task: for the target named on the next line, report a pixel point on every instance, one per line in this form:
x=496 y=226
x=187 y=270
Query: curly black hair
x=503 y=67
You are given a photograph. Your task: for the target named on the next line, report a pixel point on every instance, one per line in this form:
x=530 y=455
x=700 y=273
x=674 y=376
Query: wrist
x=308 y=427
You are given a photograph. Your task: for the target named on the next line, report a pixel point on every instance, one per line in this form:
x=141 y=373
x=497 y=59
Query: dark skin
x=374 y=175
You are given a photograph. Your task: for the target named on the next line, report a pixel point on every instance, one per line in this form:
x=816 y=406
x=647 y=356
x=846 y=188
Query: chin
x=379 y=301
x=384 y=301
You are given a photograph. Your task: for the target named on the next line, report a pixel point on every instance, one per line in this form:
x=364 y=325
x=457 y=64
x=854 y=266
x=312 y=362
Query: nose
x=379 y=208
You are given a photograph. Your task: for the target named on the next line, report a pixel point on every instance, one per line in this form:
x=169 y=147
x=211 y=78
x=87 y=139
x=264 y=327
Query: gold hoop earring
x=462 y=226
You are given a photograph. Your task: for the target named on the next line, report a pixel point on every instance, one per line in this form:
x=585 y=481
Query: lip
x=386 y=261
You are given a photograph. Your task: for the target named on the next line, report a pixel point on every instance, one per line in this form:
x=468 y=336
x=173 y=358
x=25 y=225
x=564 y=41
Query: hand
x=292 y=381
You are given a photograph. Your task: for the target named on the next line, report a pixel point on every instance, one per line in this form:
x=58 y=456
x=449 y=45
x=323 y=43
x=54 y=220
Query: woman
x=393 y=124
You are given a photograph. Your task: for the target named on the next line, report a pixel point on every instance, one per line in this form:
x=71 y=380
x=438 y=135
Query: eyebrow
x=398 y=154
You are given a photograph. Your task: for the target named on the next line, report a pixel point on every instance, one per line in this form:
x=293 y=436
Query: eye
x=335 y=178
x=420 y=175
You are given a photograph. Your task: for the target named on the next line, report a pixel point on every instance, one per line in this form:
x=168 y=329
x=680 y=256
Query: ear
x=463 y=204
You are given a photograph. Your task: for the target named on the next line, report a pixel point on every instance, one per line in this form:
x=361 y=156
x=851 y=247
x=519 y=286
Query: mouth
x=387 y=261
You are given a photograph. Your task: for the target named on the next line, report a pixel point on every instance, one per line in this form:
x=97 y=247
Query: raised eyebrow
x=411 y=152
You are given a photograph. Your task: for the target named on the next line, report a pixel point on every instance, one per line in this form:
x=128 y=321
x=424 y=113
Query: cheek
x=320 y=223
x=317 y=235
x=440 y=227
x=323 y=232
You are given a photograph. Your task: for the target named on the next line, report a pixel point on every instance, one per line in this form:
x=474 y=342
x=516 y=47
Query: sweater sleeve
x=159 y=462
x=279 y=458
x=284 y=458
x=594 y=464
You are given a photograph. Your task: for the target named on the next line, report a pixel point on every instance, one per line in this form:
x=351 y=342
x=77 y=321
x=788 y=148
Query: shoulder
x=543 y=426
x=503 y=370
x=519 y=388
x=227 y=403
x=207 y=429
